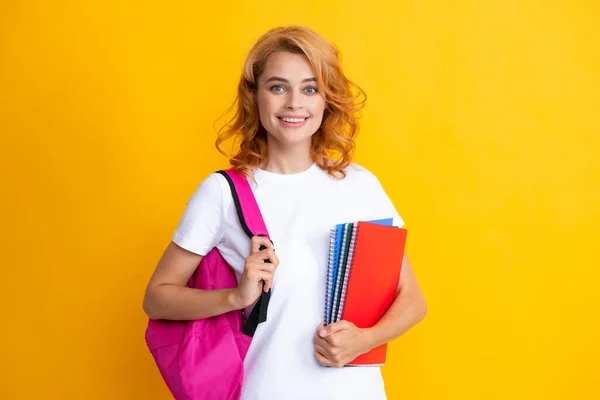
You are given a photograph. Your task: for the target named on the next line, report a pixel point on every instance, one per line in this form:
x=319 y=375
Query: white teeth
x=293 y=119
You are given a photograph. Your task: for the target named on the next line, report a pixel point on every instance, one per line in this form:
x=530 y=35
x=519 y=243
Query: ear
x=252 y=92
x=251 y=89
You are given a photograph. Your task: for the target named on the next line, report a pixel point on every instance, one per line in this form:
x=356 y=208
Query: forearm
x=406 y=311
x=175 y=302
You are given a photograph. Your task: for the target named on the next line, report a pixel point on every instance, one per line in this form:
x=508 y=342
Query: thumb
x=333 y=328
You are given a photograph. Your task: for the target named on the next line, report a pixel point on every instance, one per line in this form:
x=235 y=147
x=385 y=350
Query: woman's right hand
x=258 y=273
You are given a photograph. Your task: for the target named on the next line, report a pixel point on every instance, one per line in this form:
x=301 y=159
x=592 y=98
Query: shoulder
x=212 y=183
x=211 y=188
x=360 y=174
x=361 y=178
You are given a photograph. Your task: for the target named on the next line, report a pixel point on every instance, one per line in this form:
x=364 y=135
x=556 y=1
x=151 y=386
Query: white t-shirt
x=299 y=211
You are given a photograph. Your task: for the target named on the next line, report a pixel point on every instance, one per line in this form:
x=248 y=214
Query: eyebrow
x=276 y=78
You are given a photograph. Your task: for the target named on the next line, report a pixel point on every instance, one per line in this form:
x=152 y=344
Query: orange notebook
x=373 y=280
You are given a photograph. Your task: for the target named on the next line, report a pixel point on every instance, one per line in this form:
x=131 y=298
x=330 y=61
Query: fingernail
x=322 y=333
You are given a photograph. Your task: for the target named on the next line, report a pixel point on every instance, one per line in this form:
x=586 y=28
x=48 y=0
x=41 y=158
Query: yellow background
x=482 y=124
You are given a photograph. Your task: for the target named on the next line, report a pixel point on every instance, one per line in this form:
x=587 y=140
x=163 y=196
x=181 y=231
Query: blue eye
x=276 y=88
x=311 y=90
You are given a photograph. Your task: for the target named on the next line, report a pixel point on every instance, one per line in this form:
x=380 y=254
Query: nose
x=293 y=101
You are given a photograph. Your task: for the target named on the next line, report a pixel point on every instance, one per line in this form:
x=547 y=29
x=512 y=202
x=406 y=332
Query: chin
x=291 y=138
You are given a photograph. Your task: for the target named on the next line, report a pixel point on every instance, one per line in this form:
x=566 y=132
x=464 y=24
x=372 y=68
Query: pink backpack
x=204 y=359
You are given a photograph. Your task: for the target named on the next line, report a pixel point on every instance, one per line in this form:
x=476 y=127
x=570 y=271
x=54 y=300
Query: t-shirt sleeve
x=201 y=226
x=383 y=206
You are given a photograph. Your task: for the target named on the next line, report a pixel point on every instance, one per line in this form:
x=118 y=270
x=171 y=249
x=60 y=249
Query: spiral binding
x=339 y=235
x=341 y=271
x=328 y=285
x=348 y=272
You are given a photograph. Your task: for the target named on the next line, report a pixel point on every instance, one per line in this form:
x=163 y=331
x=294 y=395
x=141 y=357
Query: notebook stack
x=365 y=259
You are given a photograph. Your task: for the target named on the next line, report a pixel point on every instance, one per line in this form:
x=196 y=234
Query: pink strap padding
x=250 y=209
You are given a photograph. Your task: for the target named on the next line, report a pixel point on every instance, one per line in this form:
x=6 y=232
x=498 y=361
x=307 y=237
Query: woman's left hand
x=339 y=343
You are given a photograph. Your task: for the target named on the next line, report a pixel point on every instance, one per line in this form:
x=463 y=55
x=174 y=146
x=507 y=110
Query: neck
x=287 y=160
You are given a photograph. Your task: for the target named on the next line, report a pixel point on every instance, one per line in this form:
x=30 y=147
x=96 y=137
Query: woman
x=296 y=123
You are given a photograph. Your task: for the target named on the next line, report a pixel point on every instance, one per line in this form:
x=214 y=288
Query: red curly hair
x=333 y=143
